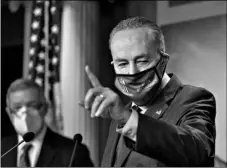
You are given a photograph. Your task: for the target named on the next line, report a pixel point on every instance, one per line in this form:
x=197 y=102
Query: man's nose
x=23 y=109
x=133 y=69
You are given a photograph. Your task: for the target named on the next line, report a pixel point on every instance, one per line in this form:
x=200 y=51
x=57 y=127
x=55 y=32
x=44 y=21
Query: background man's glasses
x=30 y=107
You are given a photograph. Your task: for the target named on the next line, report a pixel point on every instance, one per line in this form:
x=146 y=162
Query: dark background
x=11 y=58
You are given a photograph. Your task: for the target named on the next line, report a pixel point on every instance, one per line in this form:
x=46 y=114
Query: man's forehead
x=133 y=43
x=129 y=36
x=30 y=94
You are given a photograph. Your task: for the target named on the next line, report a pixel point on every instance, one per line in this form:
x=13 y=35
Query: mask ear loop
x=162 y=65
x=164 y=58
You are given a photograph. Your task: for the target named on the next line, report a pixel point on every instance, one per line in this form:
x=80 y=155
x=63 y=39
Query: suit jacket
x=56 y=151
x=178 y=129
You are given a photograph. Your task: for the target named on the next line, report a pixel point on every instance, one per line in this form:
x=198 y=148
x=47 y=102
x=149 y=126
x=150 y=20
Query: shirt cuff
x=130 y=128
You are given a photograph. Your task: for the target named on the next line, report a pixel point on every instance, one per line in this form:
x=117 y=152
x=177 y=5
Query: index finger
x=93 y=79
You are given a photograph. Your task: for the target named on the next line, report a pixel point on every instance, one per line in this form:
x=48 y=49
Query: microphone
x=77 y=140
x=26 y=138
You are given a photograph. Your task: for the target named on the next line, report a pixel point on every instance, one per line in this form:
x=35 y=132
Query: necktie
x=124 y=141
x=136 y=108
x=24 y=157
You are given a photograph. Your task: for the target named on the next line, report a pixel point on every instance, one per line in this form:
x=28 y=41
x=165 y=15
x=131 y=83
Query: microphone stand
x=12 y=148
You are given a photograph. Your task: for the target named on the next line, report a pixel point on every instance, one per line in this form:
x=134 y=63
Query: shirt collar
x=165 y=80
x=37 y=140
x=143 y=108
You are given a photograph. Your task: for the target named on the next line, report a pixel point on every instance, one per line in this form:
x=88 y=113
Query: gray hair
x=138 y=22
x=23 y=84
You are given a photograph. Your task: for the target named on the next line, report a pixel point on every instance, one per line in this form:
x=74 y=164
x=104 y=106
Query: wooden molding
x=186 y=12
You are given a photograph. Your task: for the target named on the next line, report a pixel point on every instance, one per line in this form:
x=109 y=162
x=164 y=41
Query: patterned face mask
x=142 y=86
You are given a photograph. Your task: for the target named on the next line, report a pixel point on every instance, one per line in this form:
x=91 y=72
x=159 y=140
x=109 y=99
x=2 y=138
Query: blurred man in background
x=27 y=107
x=166 y=123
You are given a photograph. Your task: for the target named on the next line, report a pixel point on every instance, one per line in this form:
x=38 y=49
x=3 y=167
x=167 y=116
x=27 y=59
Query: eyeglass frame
x=30 y=105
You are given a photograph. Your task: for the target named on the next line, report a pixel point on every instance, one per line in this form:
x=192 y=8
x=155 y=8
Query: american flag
x=44 y=53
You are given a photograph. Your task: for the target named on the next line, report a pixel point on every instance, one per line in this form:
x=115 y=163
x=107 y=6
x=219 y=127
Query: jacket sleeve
x=189 y=143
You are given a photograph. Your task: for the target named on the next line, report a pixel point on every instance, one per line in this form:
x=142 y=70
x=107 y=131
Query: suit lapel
x=162 y=102
x=108 y=157
x=46 y=156
x=157 y=111
x=125 y=151
x=47 y=152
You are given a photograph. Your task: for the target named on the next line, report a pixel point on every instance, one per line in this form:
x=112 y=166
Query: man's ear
x=7 y=110
x=45 y=108
x=9 y=114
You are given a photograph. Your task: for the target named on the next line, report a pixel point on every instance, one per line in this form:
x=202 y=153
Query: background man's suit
x=189 y=141
x=55 y=152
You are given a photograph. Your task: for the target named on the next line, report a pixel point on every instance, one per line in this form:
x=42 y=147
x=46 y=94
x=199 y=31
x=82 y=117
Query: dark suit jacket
x=55 y=152
x=178 y=129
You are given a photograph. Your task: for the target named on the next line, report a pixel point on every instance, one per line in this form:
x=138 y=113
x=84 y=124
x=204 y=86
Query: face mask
x=23 y=122
x=141 y=87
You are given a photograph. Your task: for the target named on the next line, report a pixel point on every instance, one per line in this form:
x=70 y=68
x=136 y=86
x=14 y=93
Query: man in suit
x=27 y=107
x=166 y=123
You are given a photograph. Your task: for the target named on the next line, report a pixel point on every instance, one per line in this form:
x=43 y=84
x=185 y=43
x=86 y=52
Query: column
x=79 y=47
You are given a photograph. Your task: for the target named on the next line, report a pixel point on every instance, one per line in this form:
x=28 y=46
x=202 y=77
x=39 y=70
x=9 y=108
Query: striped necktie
x=24 y=160
x=136 y=108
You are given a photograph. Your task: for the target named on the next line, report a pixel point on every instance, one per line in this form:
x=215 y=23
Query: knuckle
x=108 y=89
x=97 y=99
x=115 y=96
x=99 y=88
x=89 y=95
x=91 y=91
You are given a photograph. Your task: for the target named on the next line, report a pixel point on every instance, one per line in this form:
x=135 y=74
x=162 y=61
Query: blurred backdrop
x=75 y=34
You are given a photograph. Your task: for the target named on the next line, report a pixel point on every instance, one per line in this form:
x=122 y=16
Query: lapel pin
x=158 y=112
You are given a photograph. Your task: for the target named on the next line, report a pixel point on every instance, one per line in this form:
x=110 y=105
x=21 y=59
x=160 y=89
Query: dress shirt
x=35 y=149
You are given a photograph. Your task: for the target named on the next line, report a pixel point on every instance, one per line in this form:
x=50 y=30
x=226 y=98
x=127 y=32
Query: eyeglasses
x=30 y=107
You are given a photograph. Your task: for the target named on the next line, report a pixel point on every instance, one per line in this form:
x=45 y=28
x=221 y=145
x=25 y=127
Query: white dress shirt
x=35 y=149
